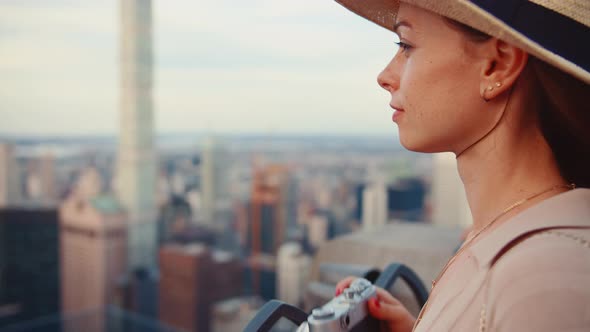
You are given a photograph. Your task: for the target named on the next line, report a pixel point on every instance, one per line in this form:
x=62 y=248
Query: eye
x=403 y=46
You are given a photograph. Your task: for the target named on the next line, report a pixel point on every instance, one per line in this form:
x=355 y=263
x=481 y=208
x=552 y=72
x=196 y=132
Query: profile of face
x=435 y=82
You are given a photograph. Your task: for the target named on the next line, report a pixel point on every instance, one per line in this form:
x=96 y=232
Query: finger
x=343 y=284
x=392 y=313
x=385 y=296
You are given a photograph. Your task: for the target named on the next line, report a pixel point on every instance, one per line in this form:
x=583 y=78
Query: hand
x=393 y=315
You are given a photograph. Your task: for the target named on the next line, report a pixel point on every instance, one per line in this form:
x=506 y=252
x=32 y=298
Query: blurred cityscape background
x=248 y=137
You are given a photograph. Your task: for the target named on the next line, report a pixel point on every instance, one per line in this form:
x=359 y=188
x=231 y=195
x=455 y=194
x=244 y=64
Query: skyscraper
x=375 y=205
x=192 y=278
x=213 y=188
x=269 y=211
x=136 y=168
x=93 y=254
x=449 y=202
x=47 y=179
x=29 y=264
x=10 y=194
x=317 y=230
x=292 y=273
x=405 y=199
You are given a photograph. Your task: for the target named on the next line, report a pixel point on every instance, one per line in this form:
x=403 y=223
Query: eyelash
x=403 y=46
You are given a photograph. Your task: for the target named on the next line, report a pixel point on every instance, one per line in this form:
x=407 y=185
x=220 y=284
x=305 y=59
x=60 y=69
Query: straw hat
x=555 y=31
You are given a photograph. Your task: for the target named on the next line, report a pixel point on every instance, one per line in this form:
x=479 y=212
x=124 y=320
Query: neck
x=512 y=163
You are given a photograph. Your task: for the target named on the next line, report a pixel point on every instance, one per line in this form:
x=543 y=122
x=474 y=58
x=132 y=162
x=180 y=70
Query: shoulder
x=553 y=248
x=546 y=256
x=570 y=210
x=542 y=282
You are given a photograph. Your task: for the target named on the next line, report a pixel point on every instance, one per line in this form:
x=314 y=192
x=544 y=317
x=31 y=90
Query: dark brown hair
x=564 y=114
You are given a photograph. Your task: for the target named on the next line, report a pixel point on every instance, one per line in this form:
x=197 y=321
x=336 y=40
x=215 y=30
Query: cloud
x=226 y=65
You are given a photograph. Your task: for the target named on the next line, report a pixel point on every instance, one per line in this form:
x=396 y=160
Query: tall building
x=405 y=199
x=358 y=190
x=136 y=168
x=48 y=177
x=174 y=218
x=10 y=190
x=138 y=293
x=374 y=211
x=271 y=209
x=213 y=186
x=192 y=279
x=93 y=253
x=317 y=230
x=448 y=199
x=194 y=199
x=260 y=276
x=29 y=265
x=270 y=212
x=292 y=273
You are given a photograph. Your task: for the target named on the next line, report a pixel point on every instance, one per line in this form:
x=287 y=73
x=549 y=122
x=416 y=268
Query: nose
x=388 y=79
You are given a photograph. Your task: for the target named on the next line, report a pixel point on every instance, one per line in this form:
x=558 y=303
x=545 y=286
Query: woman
x=504 y=86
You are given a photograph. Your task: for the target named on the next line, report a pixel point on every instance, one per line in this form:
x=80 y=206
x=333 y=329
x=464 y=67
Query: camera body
x=346 y=312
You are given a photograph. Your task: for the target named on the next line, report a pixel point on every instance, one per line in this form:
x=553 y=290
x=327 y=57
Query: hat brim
x=384 y=13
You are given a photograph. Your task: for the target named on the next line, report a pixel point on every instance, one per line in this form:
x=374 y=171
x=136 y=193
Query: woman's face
x=434 y=81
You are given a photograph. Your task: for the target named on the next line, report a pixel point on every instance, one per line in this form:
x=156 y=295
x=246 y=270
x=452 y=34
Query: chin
x=421 y=144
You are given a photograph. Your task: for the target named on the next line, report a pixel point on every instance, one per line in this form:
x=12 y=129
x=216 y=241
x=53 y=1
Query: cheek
x=425 y=94
x=445 y=80
x=438 y=100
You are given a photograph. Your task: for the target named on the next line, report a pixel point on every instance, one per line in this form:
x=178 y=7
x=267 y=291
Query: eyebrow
x=397 y=25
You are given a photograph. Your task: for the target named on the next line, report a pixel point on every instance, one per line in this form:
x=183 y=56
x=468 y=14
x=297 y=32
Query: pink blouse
x=530 y=274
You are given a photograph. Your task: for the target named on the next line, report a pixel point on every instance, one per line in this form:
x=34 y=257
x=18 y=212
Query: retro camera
x=346 y=312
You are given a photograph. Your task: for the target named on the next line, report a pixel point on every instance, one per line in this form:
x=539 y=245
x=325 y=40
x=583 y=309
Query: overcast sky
x=226 y=66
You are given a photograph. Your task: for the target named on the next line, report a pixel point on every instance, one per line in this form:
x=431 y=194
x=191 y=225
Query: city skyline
x=266 y=67
x=168 y=226
x=322 y=195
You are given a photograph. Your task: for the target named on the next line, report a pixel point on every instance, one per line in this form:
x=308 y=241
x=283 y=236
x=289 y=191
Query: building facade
x=214 y=164
x=271 y=210
x=93 y=253
x=292 y=273
x=10 y=187
x=29 y=264
x=136 y=161
x=374 y=209
x=192 y=279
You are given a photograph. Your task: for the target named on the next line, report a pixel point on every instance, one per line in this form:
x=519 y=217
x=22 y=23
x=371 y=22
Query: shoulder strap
x=543 y=231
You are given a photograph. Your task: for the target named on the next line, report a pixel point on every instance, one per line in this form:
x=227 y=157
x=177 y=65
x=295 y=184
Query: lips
x=398 y=112
x=397 y=108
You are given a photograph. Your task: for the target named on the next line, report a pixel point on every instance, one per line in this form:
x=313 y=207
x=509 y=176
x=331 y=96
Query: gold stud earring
x=490 y=88
x=498 y=84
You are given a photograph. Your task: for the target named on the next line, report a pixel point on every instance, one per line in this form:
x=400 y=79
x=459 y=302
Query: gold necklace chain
x=468 y=242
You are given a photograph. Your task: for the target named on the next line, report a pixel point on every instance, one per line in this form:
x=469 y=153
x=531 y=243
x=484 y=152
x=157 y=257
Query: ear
x=503 y=65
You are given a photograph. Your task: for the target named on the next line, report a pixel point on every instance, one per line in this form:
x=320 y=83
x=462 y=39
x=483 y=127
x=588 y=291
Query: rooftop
x=107 y=204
